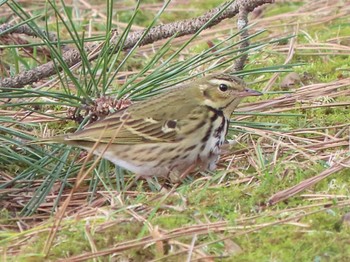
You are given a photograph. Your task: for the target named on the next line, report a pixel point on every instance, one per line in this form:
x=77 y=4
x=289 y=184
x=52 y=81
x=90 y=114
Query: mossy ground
x=206 y=199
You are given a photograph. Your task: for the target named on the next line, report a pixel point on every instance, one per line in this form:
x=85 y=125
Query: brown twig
x=242 y=23
x=287 y=193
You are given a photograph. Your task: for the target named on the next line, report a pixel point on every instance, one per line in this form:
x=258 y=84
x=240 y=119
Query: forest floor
x=280 y=193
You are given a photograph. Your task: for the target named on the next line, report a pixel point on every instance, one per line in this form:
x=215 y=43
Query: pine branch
x=157 y=33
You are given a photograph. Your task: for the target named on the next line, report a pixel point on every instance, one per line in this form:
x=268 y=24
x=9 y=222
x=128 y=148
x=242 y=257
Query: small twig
x=291 y=50
x=287 y=193
x=190 y=250
x=242 y=23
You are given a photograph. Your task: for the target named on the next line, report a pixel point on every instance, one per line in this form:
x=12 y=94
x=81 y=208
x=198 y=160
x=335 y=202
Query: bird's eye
x=223 y=87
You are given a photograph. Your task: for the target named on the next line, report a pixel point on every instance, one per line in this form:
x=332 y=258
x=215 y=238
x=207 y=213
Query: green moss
x=5 y=217
x=217 y=203
x=172 y=221
x=172 y=13
x=281 y=8
x=69 y=241
x=72 y=240
x=321 y=241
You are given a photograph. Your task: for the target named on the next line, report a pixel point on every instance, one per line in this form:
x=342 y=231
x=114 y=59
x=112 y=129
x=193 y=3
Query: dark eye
x=223 y=87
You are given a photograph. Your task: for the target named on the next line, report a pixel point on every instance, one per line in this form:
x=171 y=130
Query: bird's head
x=224 y=92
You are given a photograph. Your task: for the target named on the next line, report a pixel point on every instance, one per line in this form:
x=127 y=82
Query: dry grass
x=301 y=146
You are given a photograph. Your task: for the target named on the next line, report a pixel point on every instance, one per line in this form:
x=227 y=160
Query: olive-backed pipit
x=168 y=133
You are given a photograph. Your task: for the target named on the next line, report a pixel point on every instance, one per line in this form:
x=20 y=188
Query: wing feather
x=139 y=123
x=123 y=129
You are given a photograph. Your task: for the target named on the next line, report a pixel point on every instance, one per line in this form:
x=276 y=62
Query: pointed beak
x=250 y=92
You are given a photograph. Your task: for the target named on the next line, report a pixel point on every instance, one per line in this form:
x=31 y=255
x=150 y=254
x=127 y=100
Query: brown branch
x=242 y=23
x=180 y=28
x=26 y=30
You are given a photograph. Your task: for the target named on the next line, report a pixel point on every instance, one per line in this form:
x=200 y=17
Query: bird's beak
x=250 y=92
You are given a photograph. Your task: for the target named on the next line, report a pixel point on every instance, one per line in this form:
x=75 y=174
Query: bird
x=170 y=133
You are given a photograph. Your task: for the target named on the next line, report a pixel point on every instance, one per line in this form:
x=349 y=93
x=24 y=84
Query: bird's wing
x=125 y=128
x=140 y=123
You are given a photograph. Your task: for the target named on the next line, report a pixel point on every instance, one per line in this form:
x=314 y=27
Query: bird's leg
x=176 y=177
x=137 y=177
x=153 y=183
x=149 y=180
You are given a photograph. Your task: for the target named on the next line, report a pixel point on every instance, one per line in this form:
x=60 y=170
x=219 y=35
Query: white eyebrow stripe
x=220 y=81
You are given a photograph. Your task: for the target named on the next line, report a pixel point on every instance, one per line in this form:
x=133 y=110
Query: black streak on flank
x=174 y=158
x=190 y=148
x=207 y=134
x=220 y=129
